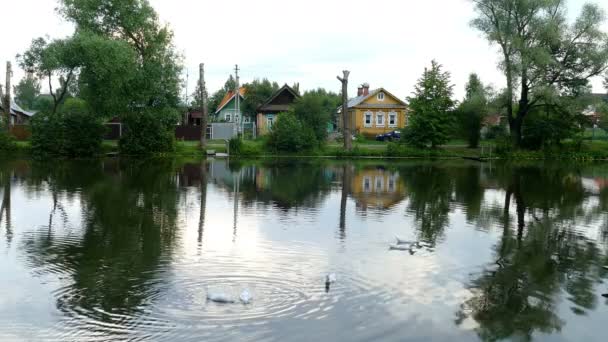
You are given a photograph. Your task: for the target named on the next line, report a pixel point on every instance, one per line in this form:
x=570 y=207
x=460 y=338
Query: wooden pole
x=204 y=105
x=237 y=98
x=348 y=144
x=7 y=97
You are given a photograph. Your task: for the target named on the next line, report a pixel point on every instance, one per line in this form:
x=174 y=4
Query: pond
x=127 y=250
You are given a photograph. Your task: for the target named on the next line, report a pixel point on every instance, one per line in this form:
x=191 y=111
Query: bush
x=290 y=135
x=7 y=143
x=72 y=132
x=235 y=145
x=149 y=132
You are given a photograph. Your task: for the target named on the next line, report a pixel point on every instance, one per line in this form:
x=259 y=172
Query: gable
x=285 y=97
x=389 y=99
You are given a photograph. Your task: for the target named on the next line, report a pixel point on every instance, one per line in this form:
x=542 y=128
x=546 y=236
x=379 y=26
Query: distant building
x=227 y=111
x=375 y=112
x=281 y=101
x=19 y=116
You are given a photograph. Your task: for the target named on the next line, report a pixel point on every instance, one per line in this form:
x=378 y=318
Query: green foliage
x=26 y=92
x=235 y=145
x=72 y=132
x=257 y=93
x=290 y=135
x=215 y=98
x=7 y=142
x=472 y=110
x=550 y=125
x=149 y=132
x=541 y=53
x=432 y=120
x=315 y=109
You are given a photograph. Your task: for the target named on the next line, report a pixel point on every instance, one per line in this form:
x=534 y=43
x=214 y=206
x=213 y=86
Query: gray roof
x=357 y=100
x=15 y=109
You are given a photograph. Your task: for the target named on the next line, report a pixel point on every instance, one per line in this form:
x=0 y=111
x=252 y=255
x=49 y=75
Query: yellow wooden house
x=375 y=112
x=377 y=188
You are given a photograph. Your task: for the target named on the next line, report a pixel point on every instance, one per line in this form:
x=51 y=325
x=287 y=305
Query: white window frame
x=228 y=117
x=379 y=184
x=371 y=119
x=380 y=116
x=367 y=184
x=269 y=121
x=246 y=119
x=380 y=96
x=393 y=115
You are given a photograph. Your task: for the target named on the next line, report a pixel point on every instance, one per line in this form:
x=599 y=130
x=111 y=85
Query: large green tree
x=316 y=109
x=542 y=55
x=26 y=91
x=432 y=119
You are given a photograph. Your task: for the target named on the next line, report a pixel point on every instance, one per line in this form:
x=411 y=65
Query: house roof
x=270 y=107
x=16 y=109
x=358 y=101
x=228 y=97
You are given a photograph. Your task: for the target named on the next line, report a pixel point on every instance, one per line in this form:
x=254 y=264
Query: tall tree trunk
x=346 y=180
x=348 y=144
x=7 y=98
x=204 y=105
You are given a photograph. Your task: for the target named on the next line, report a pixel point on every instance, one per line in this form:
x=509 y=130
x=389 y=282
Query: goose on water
x=245 y=297
x=220 y=297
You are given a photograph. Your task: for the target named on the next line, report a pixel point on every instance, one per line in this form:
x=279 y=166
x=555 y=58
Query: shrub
x=7 y=143
x=290 y=135
x=149 y=132
x=235 y=145
x=72 y=132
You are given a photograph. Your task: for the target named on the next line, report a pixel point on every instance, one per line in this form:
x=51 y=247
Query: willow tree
x=542 y=55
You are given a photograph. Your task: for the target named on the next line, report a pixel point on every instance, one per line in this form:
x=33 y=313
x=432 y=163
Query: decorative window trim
x=380 y=116
x=228 y=117
x=269 y=121
x=380 y=96
x=393 y=115
x=371 y=119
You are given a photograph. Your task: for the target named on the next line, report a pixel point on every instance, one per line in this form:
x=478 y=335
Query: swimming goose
x=220 y=297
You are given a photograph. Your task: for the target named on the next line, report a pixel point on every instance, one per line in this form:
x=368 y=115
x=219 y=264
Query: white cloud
x=384 y=42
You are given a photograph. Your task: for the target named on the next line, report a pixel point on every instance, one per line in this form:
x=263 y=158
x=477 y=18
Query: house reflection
x=376 y=188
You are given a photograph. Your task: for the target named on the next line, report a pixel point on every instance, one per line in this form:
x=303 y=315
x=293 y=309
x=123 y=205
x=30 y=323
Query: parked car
x=389 y=136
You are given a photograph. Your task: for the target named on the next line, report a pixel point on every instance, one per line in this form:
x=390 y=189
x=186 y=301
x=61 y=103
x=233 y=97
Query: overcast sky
x=386 y=43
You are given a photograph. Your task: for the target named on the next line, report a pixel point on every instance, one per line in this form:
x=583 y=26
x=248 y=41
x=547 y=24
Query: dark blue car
x=389 y=136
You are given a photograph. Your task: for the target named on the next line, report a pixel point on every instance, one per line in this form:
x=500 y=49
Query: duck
x=220 y=297
x=245 y=297
x=329 y=279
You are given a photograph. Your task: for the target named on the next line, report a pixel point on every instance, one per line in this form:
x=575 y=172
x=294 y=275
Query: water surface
x=126 y=250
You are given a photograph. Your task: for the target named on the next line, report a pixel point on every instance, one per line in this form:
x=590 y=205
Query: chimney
x=360 y=91
x=365 y=89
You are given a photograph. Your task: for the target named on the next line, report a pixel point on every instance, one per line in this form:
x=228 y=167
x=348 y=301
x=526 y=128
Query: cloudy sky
x=383 y=42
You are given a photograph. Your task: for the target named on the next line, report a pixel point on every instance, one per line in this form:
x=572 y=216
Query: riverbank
x=588 y=150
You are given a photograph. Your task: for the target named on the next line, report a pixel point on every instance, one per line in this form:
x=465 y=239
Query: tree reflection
x=5 y=205
x=129 y=229
x=536 y=258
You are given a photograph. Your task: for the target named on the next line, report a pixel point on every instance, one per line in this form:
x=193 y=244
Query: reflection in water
x=125 y=249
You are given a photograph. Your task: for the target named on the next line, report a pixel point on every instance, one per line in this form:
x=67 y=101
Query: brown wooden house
x=279 y=102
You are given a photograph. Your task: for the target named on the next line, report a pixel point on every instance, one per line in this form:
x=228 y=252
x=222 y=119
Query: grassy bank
x=588 y=150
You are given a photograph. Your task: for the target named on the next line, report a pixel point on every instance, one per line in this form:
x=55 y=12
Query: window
x=380 y=119
x=367 y=119
x=367 y=184
x=379 y=184
x=269 y=121
x=380 y=96
x=246 y=119
x=228 y=118
x=392 y=119
x=237 y=118
x=391 y=184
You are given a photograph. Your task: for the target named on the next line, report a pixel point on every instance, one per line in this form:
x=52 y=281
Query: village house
x=375 y=112
x=279 y=102
x=19 y=116
x=227 y=110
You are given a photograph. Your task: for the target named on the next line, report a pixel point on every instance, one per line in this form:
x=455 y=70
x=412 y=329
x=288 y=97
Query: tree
x=26 y=92
x=257 y=93
x=216 y=97
x=54 y=59
x=472 y=110
x=432 y=119
x=316 y=109
x=540 y=52
x=290 y=135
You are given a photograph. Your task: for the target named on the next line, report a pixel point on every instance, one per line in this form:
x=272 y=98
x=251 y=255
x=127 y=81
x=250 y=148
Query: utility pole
x=348 y=144
x=204 y=109
x=185 y=119
x=7 y=97
x=238 y=97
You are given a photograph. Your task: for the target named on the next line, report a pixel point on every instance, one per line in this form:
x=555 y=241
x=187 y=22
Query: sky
x=386 y=43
